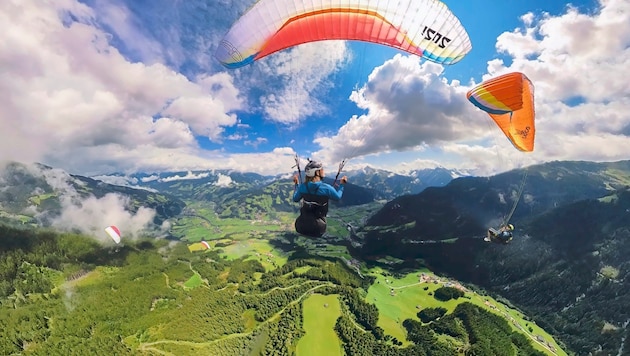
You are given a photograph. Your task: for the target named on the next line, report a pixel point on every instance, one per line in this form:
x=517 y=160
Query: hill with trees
x=68 y=294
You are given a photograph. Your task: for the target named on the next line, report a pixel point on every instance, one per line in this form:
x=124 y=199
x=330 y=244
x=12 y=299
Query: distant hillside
x=571 y=271
x=238 y=195
x=252 y=201
x=466 y=206
x=201 y=184
x=389 y=185
x=568 y=264
x=380 y=183
x=36 y=194
x=233 y=194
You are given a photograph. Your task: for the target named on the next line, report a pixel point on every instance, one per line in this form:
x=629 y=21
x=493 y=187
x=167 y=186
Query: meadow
x=320 y=312
x=402 y=298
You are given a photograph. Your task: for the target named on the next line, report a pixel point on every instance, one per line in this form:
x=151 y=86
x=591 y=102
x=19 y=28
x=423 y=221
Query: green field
x=256 y=249
x=202 y=223
x=320 y=314
x=398 y=299
x=194 y=281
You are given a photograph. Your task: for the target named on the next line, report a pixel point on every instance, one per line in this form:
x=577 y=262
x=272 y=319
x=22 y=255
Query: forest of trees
x=65 y=293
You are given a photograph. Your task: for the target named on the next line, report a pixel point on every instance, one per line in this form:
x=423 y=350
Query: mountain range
x=381 y=184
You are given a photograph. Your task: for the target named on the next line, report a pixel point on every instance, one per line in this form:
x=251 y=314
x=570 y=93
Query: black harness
x=313 y=204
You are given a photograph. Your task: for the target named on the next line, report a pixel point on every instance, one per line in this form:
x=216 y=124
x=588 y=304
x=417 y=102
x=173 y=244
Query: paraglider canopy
x=426 y=28
x=114 y=233
x=509 y=100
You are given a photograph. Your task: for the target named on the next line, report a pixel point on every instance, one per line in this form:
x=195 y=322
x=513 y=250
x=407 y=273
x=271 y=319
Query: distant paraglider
x=199 y=246
x=426 y=28
x=509 y=100
x=503 y=235
x=114 y=233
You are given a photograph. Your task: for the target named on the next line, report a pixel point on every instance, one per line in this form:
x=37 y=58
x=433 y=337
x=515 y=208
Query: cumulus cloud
x=124 y=181
x=150 y=178
x=575 y=61
x=223 y=181
x=189 y=176
x=92 y=215
x=86 y=214
x=117 y=180
x=79 y=102
x=410 y=104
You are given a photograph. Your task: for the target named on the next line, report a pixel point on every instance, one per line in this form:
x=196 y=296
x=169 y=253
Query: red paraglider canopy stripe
x=338 y=24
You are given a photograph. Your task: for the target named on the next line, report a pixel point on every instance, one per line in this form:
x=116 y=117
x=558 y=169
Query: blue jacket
x=318 y=188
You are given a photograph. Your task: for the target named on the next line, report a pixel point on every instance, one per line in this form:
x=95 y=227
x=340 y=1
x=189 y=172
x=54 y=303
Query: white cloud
x=575 y=61
x=81 y=105
x=410 y=105
x=304 y=72
x=89 y=215
x=205 y=115
x=150 y=178
x=223 y=181
x=575 y=53
x=189 y=176
x=92 y=215
x=256 y=142
x=116 y=180
x=124 y=181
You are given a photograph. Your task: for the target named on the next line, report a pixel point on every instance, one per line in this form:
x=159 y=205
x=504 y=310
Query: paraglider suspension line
x=518 y=197
x=341 y=165
x=297 y=165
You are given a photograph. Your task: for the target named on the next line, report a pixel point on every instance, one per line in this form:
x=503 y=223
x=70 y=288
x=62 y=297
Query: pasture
x=398 y=299
x=320 y=314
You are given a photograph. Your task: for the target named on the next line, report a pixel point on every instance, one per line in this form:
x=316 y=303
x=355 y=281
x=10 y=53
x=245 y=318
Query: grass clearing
x=194 y=281
x=398 y=299
x=320 y=314
x=203 y=224
x=37 y=199
x=249 y=320
x=261 y=250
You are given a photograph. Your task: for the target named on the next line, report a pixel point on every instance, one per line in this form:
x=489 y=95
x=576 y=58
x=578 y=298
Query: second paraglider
x=114 y=233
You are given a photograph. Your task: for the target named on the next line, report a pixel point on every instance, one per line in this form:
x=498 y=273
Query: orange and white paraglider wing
x=426 y=28
x=509 y=100
x=114 y=233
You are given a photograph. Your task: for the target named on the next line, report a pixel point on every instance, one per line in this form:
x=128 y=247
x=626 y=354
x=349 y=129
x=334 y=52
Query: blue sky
x=106 y=86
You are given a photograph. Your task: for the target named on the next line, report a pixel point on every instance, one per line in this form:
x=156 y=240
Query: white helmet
x=312 y=167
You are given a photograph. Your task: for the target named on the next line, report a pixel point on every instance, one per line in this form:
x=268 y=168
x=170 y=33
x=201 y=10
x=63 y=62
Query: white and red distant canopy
x=205 y=244
x=114 y=233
